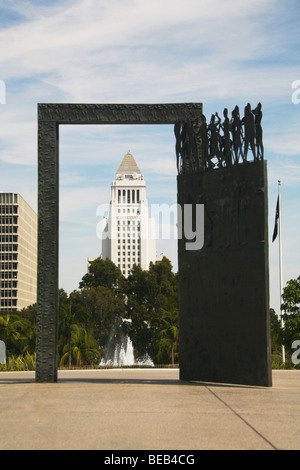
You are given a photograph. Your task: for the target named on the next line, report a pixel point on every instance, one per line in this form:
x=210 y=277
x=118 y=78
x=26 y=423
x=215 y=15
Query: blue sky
x=140 y=51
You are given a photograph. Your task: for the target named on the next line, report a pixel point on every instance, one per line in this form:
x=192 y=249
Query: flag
x=276 y=220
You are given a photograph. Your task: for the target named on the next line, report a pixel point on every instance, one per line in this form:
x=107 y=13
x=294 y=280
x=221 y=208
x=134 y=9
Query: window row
x=8 y=256
x=8 y=198
x=8 y=247
x=8 y=220
x=8 y=238
x=8 y=293
x=129 y=196
x=8 y=209
x=8 y=266
x=128 y=265
x=9 y=284
x=129 y=260
x=129 y=228
x=8 y=229
x=133 y=223
x=8 y=303
x=133 y=246
x=8 y=275
x=129 y=252
x=129 y=210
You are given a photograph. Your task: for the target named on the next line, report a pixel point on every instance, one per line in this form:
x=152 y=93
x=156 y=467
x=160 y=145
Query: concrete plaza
x=146 y=409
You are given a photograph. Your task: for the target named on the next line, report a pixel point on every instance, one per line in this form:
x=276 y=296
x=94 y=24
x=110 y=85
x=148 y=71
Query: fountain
x=120 y=353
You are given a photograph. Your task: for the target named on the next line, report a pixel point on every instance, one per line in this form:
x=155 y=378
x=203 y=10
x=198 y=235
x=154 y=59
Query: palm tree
x=65 y=328
x=8 y=328
x=16 y=332
x=170 y=331
x=81 y=347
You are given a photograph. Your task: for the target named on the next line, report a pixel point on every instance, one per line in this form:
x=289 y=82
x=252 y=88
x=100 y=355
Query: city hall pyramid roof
x=128 y=165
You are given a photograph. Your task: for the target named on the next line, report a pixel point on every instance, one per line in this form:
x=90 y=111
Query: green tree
x=29 y=313
x=291 y=308
x=276 y=333
x=103 y=272
x=70 y=319
x=291 y=297
x=17 y=333
x=81 y=349
x=169 y=329
x=146 y=294
x=105 y=311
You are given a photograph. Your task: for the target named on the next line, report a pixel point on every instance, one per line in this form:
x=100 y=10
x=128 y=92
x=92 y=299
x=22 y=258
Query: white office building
x=128 y=235
x=18 y=253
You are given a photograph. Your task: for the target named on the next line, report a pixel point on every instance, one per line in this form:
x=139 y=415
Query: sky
x=213 y=52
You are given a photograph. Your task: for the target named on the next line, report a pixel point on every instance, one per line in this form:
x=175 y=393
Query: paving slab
x=147 y=409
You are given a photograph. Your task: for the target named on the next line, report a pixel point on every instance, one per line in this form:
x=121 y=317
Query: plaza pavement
x=146 y=409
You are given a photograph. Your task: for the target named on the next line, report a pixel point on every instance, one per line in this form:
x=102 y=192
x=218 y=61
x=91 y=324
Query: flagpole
x=280 y=263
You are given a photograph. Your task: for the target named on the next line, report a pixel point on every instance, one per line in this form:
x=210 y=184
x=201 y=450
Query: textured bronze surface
x=224 y=287
x=219 y=143
x=68 y=113
x=224 y=311
x=50 y=116
x=47 y=298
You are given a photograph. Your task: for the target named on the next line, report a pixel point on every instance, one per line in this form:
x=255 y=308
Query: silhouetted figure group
x=219 y=144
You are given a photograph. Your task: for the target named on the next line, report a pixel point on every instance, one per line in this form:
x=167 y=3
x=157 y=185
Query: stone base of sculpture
x=224 y=286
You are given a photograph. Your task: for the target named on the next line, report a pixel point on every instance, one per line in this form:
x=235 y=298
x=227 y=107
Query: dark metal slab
x=50 y=116
x=224 y=287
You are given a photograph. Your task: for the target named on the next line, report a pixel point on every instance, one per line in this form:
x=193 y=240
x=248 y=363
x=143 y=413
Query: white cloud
x=216 y=52
x=93 y=48
x=79 y=205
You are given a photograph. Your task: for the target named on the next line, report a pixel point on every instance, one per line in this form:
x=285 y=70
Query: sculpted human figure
x=214 y=149
x=249 y=124
x=204 y=139
x=178 y=147
x=220 y=143
x=237 y=137
x=187 y=149
x=199 y=142
x=191 y=149
x=180 y=130
x=258 y=132
x=225 y=138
